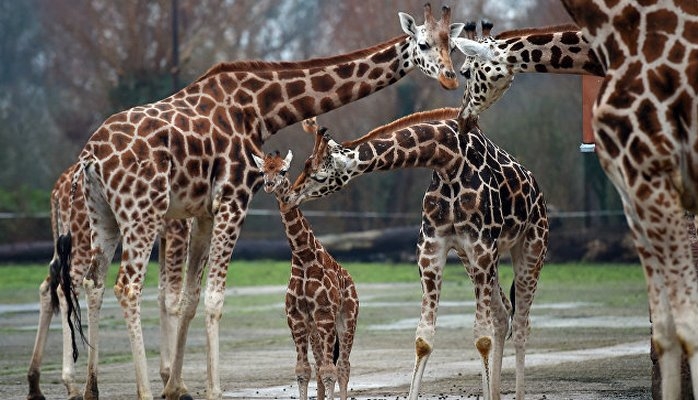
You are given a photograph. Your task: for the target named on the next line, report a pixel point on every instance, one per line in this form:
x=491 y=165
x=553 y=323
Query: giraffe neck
x=558 y=49
x=300 y=235
x=420 y=146
x=264 y=97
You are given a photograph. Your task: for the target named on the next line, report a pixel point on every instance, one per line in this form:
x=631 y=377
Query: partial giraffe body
x=322 y=306
x=492 y=62
x=646 y=134
x=173 y=248
x=190 y=155
x=645 y=122
x=481 y=203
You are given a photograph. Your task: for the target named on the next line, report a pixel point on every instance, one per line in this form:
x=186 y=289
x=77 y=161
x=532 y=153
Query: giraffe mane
x=541 y=30
x=408 y=120
x=258 y=65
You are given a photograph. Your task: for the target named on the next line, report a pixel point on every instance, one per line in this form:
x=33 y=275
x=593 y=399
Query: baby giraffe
x=321 y=301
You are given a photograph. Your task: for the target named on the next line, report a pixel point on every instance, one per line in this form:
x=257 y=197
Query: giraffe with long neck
x=645 y=126
x=173 y=249
x=322 y=305
x=492 y=61
x=190 y=155
x=645 y=122
x=481 y=203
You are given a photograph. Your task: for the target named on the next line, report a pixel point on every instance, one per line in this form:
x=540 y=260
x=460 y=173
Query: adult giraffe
x=190 y=155
x=173 y=249
x=645 y=122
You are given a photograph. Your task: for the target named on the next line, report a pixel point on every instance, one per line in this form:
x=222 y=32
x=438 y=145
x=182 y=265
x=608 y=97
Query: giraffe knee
x=422 y=347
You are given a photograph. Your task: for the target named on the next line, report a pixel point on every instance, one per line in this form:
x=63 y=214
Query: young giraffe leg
x=327 y=335
x=298 y=325
x=492 y=314
x=527 y=260
x=431 y=259
x=201 y=231
x=172 y=256
x=321 y=367
x=346 y=328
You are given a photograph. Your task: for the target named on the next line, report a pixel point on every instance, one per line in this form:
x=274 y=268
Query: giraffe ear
x=456 y=29
x=259 y=161
x=287 y=161
x=409 y=26
x=472 y=48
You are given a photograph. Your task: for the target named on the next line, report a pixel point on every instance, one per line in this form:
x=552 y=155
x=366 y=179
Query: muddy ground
x=591 y=346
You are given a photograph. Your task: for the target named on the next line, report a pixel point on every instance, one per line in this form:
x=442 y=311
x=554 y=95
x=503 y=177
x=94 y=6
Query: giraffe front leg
x=172 y=256
x=432 y=257
x=491 y=313
x=325 y=321
x=299 y=333
x=226 y=229
x=128 y=289
x=201 y=231
x=316 y=347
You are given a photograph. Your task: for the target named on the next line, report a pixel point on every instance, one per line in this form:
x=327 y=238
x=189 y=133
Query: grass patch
x=558 y=281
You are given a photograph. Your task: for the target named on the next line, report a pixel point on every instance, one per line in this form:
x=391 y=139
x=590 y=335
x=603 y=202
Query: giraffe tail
x=64 y=247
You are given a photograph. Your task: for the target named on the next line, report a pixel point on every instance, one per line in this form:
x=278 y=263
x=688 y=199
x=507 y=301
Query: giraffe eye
x=319 y=177
x=465 y=73
x=282 y=173
x=424 y=46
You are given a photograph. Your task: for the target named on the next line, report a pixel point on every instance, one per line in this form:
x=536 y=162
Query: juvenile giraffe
x=481 y=203
x=645 y=122
x=173 y=245
x=190 y=155
x=321 y=301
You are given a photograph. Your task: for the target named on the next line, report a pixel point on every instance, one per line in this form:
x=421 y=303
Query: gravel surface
x=577 y=350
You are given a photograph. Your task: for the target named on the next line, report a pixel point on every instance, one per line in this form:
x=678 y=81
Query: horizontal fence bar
x=351 y=214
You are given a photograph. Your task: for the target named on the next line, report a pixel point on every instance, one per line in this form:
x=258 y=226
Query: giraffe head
x=486 y=79
x=327 y=170
x=431 y=44
x=274 y=169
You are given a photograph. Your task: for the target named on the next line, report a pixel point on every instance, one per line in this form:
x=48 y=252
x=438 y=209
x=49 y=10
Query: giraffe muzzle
x=448 y=80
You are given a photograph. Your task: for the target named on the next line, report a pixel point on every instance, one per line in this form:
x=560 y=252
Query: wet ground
x=589 y=348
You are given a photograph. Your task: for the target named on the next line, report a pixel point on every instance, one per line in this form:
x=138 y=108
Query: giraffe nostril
x=450 y=74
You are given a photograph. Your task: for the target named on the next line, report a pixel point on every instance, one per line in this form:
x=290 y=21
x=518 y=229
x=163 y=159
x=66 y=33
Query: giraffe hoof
x=186 y=396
